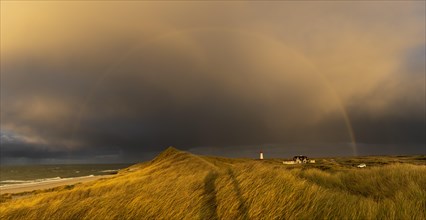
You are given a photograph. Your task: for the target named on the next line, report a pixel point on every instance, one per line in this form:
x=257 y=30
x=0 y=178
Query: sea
x=24 y=174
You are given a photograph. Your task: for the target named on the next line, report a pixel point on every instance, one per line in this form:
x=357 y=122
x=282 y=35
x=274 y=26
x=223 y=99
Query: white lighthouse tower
x=261 y=155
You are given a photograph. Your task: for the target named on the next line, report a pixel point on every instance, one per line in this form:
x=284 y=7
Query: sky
x=108 y=82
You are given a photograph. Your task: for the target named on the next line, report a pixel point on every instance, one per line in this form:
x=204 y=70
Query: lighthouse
x=261 y=155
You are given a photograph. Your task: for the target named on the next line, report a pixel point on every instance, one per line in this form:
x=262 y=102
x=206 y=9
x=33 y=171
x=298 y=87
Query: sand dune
x=180 y=185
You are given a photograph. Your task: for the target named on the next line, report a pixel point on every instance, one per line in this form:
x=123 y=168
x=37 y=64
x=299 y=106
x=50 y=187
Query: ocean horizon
x=25 y=174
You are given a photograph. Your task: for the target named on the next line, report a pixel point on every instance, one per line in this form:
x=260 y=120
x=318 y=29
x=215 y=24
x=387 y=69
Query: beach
x=28 y=187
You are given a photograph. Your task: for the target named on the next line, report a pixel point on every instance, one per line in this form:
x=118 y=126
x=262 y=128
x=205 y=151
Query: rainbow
x=183 y=34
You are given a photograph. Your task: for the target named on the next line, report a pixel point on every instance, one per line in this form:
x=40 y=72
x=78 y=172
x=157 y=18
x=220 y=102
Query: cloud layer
x=88 y=79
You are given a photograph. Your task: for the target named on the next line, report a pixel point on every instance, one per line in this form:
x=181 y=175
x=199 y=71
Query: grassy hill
x=180 y=185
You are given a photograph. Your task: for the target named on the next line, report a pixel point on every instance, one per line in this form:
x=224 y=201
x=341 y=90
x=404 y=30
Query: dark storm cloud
x=132 y=84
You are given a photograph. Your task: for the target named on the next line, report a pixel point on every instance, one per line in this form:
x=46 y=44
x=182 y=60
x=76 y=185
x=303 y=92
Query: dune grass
x=179 y=185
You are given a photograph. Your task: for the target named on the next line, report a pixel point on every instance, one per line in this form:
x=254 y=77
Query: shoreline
x=28 y=187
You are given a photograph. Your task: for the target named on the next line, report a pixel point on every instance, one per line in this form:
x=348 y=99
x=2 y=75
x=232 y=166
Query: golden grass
x=179 y=185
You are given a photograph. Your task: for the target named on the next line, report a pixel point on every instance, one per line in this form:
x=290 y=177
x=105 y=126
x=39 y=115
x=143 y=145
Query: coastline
x=28 y=187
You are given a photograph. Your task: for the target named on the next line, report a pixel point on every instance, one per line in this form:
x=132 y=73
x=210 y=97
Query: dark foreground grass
x=179 y=185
